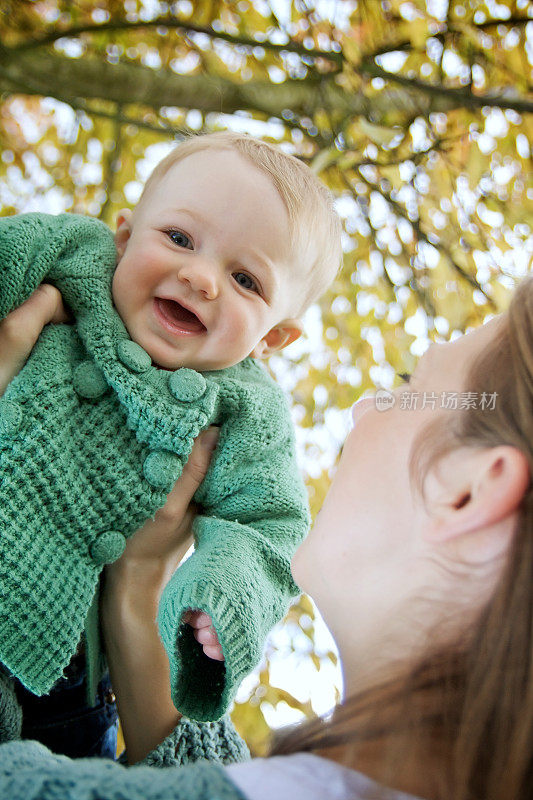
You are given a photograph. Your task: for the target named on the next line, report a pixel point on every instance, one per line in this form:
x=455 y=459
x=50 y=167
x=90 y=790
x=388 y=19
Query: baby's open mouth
x=178 y=316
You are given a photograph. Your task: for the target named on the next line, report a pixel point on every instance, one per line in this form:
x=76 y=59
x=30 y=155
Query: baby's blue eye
x=180 y=239
x=245 y=281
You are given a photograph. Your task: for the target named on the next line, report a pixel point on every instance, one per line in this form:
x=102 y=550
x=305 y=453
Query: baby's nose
x=202 y=277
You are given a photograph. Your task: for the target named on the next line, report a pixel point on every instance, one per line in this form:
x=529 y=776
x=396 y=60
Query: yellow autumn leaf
x=323 y=159
x=377 y=133
x=418 y=32
x=316 y=661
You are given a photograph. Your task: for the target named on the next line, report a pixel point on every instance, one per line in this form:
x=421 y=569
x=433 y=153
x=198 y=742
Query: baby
x=231 y=240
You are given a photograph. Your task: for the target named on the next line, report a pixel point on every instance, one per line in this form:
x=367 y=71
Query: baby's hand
x=204 y=633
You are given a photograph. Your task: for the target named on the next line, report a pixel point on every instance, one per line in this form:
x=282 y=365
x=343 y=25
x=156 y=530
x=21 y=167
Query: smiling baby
x=231 y=241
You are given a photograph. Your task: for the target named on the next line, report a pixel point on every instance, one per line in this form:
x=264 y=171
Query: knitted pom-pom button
x=108 y=547
x=133 y=356
x=187 y=385
x=88 y=380
x=10 y=418
x=162 y=469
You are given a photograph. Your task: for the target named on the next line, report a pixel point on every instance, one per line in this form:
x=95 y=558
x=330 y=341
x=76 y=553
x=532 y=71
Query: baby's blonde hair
x=314 y=225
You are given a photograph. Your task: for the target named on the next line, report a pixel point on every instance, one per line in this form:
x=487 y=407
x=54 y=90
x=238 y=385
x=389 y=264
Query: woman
x=421 y=562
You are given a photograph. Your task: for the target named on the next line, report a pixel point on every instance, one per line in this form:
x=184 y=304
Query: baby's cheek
x=117 y=286
x=237 y=340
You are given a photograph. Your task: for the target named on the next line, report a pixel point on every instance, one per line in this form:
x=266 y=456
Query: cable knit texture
x=192 y=741
x=92 y=439
x=29 y=771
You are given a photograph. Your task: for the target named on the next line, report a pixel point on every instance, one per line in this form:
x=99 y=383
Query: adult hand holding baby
x=138 y=663
x=163 y=541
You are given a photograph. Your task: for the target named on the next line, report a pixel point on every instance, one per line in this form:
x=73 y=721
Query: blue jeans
x=64 y=722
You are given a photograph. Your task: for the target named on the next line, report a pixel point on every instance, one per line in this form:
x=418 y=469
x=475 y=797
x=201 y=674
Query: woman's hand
x=161 y=543
x=138 y=663
x=22 y=327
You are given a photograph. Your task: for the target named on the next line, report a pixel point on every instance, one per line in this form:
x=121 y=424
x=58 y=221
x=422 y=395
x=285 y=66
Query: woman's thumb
x=196 y=467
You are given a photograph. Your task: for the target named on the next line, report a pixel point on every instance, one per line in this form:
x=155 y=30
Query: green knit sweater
x=29 y=771
x=92 y=439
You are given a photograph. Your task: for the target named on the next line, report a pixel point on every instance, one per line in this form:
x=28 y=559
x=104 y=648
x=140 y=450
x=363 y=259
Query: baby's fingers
x=197 y=619
x=214 y=652
x=204 y=633
x=206 y=636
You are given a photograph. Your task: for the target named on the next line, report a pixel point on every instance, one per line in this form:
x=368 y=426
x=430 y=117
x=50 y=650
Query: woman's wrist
x=138 y=576
x=133 y=574
x=131 y=590
x=137 y=660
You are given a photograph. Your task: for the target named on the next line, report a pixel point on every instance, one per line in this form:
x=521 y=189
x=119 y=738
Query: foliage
x=416 y=113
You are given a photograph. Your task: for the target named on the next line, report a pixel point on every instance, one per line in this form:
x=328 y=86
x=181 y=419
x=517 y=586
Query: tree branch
x=188 y=27
x=91 y=78
x=42 y=73
x=513 y=20
x=458 y=97
x=118 y=117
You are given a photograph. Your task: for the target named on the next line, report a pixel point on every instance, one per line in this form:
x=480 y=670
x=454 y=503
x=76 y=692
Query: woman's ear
x=123 y=231
x=472 y=490
x=277 y=338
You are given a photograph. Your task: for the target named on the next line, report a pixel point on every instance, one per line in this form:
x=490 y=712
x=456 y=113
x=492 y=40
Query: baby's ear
x=278 y=337
x=123 y=231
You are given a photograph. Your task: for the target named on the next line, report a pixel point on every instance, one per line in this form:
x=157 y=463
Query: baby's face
x=205 y=271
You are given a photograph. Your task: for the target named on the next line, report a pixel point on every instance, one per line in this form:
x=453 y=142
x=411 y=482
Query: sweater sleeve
x=256 y=514
x=38 y=247
x=216 y=742
x=29 y=771
x=21 y=237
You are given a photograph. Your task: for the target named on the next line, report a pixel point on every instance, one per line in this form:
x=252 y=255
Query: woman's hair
x=470 y=703
x=315 y=227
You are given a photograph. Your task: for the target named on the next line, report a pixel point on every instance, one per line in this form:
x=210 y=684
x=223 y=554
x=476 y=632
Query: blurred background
x=416 y=113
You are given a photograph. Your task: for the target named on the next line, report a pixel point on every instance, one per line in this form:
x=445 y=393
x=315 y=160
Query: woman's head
x=387 y=560
x=422 y=557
